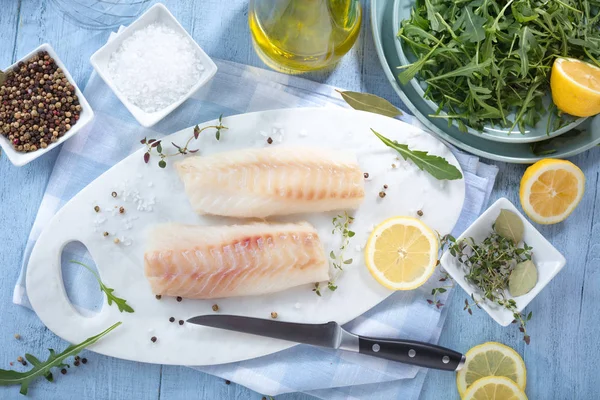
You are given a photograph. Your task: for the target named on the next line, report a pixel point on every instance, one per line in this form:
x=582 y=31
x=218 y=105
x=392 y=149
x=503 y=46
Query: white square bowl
x=546 y=258
x=156 y=13
x=85 y=117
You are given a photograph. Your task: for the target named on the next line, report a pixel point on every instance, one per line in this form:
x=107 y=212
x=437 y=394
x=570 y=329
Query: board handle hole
x=81 y=286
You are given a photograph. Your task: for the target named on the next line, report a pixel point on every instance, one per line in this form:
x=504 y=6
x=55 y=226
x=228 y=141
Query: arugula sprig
x=436 y=166
x=9 y=377
x=489 y=62
x=110 y=297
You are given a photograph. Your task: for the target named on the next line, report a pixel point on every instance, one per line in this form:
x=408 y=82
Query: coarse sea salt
x=155 y=67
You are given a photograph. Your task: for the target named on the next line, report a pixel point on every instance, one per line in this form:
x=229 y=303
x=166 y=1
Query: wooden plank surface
x=563 y=350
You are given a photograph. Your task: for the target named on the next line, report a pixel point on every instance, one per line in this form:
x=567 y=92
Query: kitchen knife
x=333 y=336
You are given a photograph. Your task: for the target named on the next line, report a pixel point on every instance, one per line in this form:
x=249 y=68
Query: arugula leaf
x=473 y=26
x=433 y=21
x=9 y=377
x=110 y=297
x=436 y=166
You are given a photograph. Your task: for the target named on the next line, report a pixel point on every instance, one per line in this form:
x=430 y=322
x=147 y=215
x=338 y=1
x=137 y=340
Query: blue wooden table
x=561 y=360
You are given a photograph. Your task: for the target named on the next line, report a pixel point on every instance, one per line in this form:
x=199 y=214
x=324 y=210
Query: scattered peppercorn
x=181 y=322
x=215 y=307
x=273 y=315
x=84 y=360
x=382 y=194
x=153 y=339
x=114 y=194
x=77 y=358
x=117 y=241
x=21 y=360
x=11 y=363
x=63 y=371
x=105 y=233
x=437 y=263
x=17 y=336
x=76 y=363
x=227 y=382
x=121 y=210
x=366 y=175
x=269 y=140
x=171 y=319
x=393 y=165
x=385 y=186
x=179 y=298
x=38 y=105
x=96 y=208
x=158 y=297
x=420 y=213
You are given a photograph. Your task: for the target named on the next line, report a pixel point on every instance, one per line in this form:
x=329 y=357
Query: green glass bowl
x=574 y=142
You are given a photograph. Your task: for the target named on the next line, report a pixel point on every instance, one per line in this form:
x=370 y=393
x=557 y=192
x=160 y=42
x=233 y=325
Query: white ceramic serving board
x=121 y=265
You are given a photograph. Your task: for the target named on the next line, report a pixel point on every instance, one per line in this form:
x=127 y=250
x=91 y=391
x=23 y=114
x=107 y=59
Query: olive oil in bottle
x=294 y=36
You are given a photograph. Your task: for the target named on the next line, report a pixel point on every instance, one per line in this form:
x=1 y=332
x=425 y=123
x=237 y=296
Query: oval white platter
x=121 y=265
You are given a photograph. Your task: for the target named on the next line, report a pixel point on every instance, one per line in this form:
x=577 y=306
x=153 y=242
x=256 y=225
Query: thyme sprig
x=154 y=146
x=444 y=242
x=488 y=266
x=341 y=225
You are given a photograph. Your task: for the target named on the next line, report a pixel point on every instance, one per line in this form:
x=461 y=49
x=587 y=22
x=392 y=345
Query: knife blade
x=332 y=335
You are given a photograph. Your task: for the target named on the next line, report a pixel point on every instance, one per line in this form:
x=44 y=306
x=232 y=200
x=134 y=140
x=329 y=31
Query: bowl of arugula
x=484 y=66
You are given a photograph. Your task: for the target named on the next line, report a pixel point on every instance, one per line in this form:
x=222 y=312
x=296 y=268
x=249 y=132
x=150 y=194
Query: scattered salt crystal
x=297 y=306
x=155 y=67
x=303 y=133
x=150 y=184
x=151 y=330
x=370 y=229
x=264 y=134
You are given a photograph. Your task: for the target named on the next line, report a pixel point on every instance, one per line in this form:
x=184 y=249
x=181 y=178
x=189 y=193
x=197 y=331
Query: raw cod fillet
x=205 y=262
x=272 y=181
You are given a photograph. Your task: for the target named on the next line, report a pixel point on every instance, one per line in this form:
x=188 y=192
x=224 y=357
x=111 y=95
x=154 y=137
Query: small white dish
x=85 y=117
x=547 y=259
x=156 y=13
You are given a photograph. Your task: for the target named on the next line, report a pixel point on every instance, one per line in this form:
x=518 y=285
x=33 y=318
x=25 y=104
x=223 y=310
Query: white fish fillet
x=272 y=181
x=205 y=262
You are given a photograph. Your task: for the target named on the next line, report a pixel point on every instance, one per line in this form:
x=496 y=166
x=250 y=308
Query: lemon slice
x=575 y=87
x=491 y=359
x=401 y=253
x=551 y=189
x=494 y=388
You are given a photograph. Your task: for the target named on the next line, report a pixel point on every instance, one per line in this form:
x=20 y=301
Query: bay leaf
x=2 y=77
x=523 y=278
x=509 y=225
x=370 y=103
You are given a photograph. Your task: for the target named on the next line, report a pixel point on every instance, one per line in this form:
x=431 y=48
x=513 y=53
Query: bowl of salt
x=153 y=65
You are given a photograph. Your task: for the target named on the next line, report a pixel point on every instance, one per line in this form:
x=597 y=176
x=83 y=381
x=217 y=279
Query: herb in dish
x=485 y=60
x=156 y=145
x=436 y=166
x=8 y=377
x=110 y=297
x=498 y=266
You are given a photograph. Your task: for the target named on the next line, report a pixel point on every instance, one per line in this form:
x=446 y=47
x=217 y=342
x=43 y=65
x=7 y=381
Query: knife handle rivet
x=376 y=348
x=412 y=353
x=445 y=359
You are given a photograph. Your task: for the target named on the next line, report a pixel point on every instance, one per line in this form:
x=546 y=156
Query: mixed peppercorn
x=38 y=105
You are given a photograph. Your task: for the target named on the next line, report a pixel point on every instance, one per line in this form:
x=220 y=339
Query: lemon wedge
x=575 y=87
x=402 y=253
x=551 y=189
x=491 y=359
x=494 y=388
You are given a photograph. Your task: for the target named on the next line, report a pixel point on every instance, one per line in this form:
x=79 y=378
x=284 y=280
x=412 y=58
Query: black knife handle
x=411 y=352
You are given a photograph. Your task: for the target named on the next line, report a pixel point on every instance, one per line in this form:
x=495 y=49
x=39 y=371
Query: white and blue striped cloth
x=236 y=89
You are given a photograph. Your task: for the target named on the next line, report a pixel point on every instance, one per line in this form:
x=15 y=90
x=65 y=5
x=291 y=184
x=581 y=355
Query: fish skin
x=258 y=183
x=206 y=262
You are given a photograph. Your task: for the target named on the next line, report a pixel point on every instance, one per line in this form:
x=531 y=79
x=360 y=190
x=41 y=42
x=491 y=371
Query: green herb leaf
x=332 y=255
x=473 y=24
x=370 y=103
x=162 y=163
x=509 y=225
x=523 y=278
x=110 y=297
x=436 y=166
x=42 y=369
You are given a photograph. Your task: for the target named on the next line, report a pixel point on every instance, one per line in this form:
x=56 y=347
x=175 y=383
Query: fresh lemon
x=494 y=388
x=551 y=189
x=401 y=253
x=575 y=87
x=491 y=359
